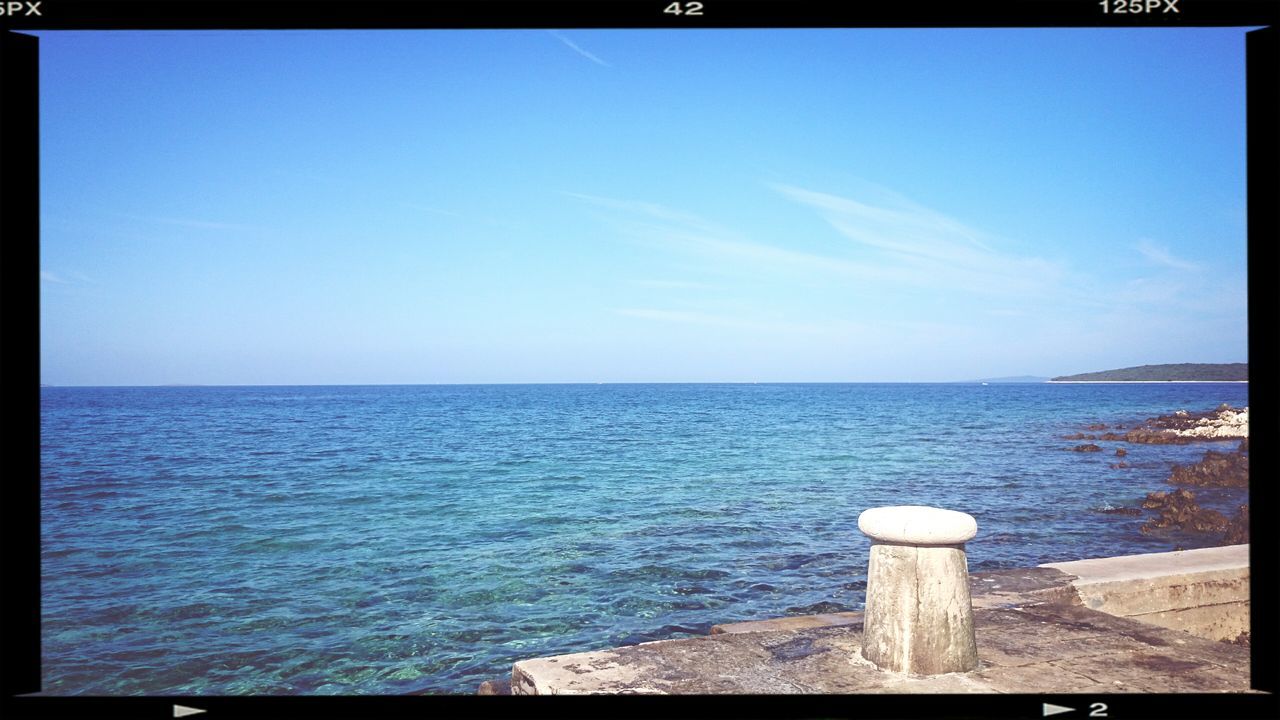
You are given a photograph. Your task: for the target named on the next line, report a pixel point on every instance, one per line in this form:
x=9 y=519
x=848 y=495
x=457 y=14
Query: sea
x=420 y=539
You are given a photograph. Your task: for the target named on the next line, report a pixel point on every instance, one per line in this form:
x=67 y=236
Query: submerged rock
x=1079 y=436
x=1090 y=447
x=820 y=608
x=1238 y=531
x=1216 y=469
x=1121 y=452
x=501 y=686
x=1178 y=510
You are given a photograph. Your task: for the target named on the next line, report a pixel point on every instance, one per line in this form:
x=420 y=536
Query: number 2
x=1098 y=710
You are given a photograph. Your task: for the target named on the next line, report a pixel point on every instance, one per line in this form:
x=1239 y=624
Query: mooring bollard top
x=917 y=525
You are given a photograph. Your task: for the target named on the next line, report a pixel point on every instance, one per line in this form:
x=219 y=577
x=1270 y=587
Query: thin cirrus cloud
x=681 y=316
x=432 y=209
x=897 y=244
x=686 y=232
x=927 y=247
x=718 y=320
x=651 y=210
x=674 y=284
x=66 y=277
x=1160 y=255
x=191 y=222
x=574 y=46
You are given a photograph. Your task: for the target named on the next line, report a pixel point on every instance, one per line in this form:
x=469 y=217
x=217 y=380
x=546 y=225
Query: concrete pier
x=1035 y=634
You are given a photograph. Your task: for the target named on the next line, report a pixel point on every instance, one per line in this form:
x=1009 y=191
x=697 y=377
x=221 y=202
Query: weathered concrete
x=992 y=589
x=1203 y=592
x=1041 y=648
x=918 y=617
x=797 y=622
x=1035 y=636
x=917 y=525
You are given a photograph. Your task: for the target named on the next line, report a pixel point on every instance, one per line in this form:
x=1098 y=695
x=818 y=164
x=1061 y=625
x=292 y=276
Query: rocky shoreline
x=1177 y=509
x=1180 y=428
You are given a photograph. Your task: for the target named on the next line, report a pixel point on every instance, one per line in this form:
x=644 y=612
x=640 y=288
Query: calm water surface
x=396 y=539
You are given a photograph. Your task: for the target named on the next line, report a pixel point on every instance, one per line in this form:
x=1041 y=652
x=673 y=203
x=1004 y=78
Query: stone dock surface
x=1136 y=624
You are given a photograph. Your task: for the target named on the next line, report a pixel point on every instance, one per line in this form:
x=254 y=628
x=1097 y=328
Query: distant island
x=1178 y=372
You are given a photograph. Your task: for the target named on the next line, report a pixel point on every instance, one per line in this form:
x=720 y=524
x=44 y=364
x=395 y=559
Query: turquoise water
x=398 y=539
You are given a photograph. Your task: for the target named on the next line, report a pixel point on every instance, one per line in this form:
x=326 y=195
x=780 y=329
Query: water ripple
x=347 y=540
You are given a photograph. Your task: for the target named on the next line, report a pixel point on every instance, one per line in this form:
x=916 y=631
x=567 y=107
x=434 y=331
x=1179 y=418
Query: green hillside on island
x=1204 y=372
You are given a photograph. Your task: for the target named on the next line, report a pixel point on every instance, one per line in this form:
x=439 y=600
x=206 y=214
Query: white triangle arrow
x=183 y=711
x=1051 y=709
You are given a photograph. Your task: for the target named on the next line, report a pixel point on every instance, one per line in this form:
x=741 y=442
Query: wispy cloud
x=433 y=210
x=898 y=245
x=484 y=219
x=726 y=251
x=933 y=248
x=67 y=277
x=718 y=320
x=909 y=227
x=309 y=177
x=675 y=284
x=191 y=223
x=574 y=46
x=652 y=210
x=1160 y=255
x=688 y=232
x=679 y=316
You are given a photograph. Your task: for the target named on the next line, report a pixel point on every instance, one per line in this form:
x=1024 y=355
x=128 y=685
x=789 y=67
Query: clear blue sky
x=629 y=205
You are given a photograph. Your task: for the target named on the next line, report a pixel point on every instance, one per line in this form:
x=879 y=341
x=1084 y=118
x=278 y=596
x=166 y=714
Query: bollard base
x=919 y=616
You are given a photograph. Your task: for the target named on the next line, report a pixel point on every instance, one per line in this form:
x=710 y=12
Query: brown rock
x=495 y=687
x=1178 y=509
x=1121 y=452
x=1162 y=430
x=1208 y=521
x=1090 y=447
x=1156 y=437
x=1096 y=426
x=1238 y=530
x=1079 y=436
x=1216 y=469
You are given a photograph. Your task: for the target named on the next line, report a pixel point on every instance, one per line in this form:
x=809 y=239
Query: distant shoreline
x=1167 y=372
x=1135 y=382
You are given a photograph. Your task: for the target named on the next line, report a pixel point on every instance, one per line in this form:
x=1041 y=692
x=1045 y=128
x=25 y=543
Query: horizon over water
x=388 y=539
x=655 y=382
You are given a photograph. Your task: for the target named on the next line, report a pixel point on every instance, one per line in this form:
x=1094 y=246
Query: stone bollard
x=919 y=617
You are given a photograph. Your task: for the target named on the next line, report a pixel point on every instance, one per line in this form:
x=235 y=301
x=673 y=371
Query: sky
x=450 y=206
